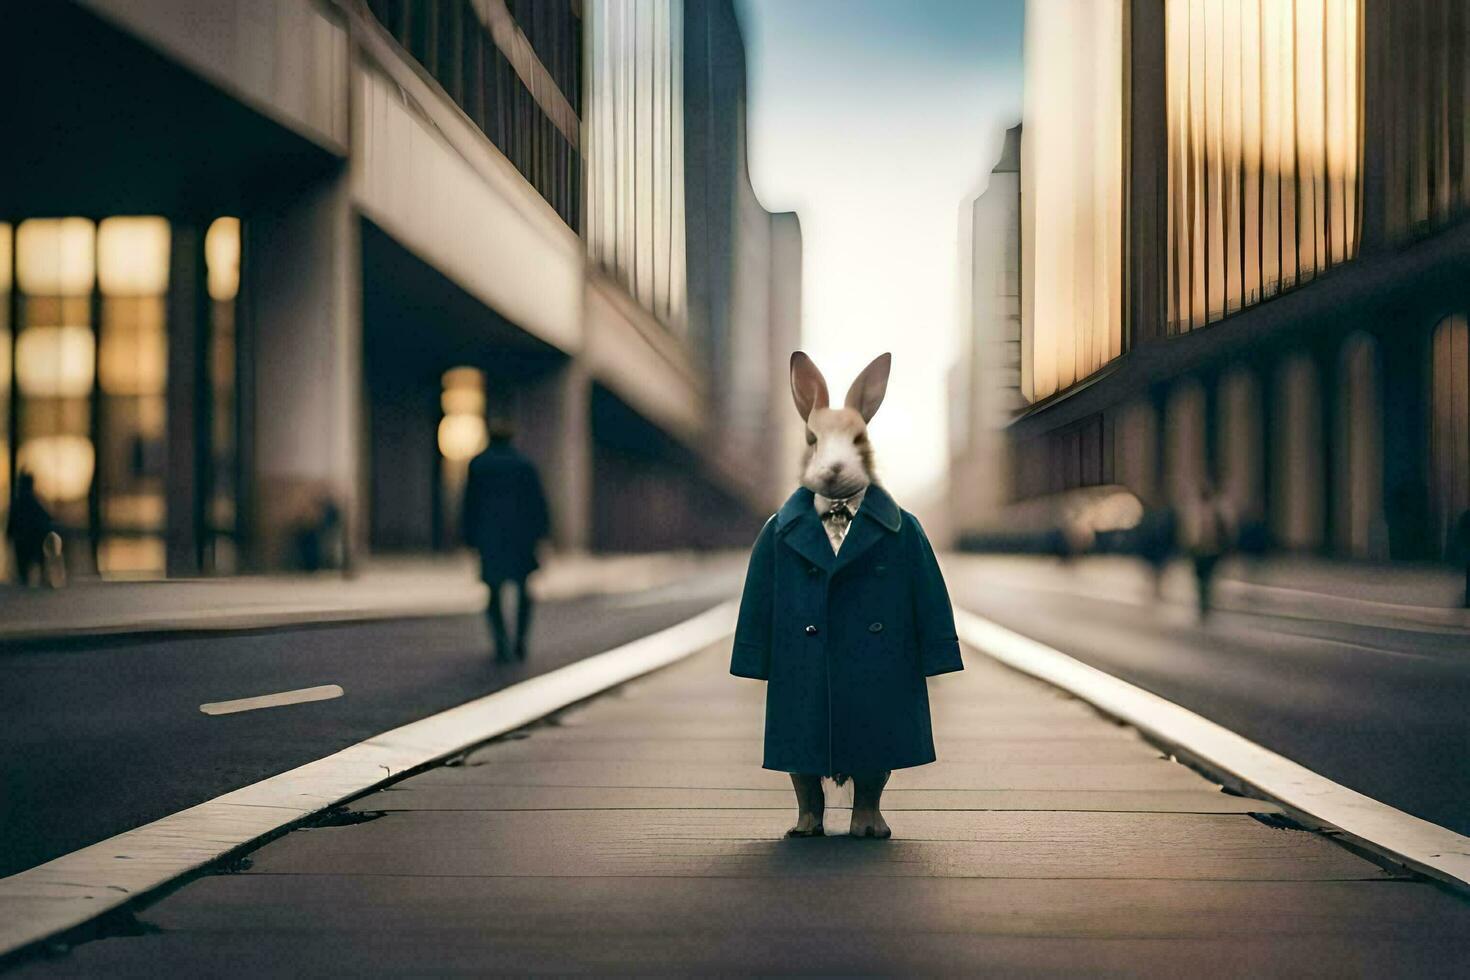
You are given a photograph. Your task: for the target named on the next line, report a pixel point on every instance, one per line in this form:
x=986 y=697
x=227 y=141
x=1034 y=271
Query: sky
x=874 y=120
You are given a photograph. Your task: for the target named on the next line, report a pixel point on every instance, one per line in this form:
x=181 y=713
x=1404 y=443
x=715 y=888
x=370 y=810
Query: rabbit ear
x=867 y=392
x=808 y=386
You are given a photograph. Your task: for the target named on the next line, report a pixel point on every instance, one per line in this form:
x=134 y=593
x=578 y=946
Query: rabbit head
x=839 y=458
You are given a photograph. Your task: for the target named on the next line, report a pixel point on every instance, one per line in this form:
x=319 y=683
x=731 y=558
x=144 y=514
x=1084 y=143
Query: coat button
x=811 y=631
x=876 y=628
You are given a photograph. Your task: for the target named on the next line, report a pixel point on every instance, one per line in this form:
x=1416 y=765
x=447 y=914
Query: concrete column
x=1327 y=356
x=302 y=270
x=554 y=424
x=1405 y=437
x=188 y=402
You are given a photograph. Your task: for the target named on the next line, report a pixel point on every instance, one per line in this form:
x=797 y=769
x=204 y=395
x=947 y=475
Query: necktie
x=837 y=519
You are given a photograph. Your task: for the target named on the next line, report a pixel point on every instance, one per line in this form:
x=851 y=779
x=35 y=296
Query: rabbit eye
x=811 y=438
x=861 y=438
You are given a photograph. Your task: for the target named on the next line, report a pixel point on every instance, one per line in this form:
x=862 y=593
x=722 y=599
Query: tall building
x=985 y=383
x=266 y=266
x=1244 y=262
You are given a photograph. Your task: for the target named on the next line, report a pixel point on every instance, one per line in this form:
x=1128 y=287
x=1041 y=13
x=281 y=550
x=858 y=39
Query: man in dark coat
x=844 y=614
x=29 y=524
x=504 y=517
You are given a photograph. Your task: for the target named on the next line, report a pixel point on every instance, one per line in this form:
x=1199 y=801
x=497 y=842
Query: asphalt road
x=1380 y=710
x=97 y=739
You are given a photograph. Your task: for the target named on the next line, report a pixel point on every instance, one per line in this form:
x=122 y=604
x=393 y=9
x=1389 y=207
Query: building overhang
x=114 y=126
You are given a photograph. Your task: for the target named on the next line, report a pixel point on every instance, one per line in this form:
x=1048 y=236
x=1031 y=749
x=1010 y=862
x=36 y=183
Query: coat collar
x=799 y=524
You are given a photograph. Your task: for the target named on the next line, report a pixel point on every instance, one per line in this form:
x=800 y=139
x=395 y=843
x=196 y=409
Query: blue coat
x=846 y=640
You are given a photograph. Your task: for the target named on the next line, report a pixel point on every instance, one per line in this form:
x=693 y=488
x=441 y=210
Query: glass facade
x=84 y=373
x=1263 y=109
x=515 y=69
x=54 y=369
x=132 y=361
x=635 y=151
x=1421 y=136
x=1071 y=192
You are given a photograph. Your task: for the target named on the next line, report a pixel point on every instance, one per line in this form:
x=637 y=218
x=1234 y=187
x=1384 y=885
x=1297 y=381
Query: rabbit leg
x=867 y=793
x=810 y=804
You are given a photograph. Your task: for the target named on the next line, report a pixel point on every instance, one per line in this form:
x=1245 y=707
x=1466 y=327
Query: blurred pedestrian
x=505 y=517
x=1156 y=534
x=29 y=526
x=320 y=541
x=1209 y=535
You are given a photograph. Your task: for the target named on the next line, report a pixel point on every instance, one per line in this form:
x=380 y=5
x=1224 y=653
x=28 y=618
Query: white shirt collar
x=824 y=504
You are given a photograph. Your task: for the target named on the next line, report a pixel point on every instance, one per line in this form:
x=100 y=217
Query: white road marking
x=77 y=887
x=325 y=692
x=1418 y=844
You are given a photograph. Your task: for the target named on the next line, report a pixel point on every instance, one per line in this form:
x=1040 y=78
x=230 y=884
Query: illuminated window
x=6 y=263
x=55 y=257
x=222 y=258
x=1262 y=99
x=222 y=267
x=133 y=276
x=54 y=364
x=462 y=433
x=1071 y=192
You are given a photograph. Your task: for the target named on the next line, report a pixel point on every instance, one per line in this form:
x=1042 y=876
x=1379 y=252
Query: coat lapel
x=801 y=529
x=878 y=516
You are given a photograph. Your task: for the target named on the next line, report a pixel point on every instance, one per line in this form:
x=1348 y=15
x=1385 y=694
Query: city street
x=784 y=357
x=101 y=736
x=1378 y=708
x=638 y=834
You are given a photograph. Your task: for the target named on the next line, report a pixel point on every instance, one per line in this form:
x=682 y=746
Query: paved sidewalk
x=383 y=589
x=636 y=834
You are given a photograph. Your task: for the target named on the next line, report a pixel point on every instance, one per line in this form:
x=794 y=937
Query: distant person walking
x=1209 y=534
x=27 y=529
x=504 y=517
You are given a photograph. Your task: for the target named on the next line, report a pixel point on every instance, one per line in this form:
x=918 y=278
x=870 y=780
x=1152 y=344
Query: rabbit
x=844 y=613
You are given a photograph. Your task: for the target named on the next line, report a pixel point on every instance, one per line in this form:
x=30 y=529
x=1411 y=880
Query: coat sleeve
x=540 y=514
x=939 y=647
x=752 y=655
x=469 y=513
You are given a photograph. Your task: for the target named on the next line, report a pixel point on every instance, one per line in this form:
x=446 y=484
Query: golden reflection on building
x=1071 y=192
x=1263 y=185
x=85 y=384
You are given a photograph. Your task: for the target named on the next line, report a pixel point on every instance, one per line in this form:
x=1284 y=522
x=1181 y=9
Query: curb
x=207 y=622
x=53 y=898
x=1232 y=760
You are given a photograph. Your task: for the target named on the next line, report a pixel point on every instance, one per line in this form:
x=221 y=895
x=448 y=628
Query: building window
x=132 y=360
x=1071 y=192
x=635 y=151
x=1263 y=134
x=54 y=368
x=463 y=435
x=7 y=278
x=221 y=511
x=84 y=386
